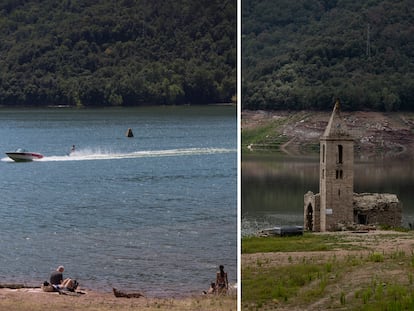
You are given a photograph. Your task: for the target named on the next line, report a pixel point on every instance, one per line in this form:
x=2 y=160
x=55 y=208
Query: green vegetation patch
x=358 y=281
x=385 y=296
x=307 y=242
x=278 y=283
x=264 y=137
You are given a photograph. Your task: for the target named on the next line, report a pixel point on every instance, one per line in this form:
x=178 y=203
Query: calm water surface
x=273 y=187
x=155 y=213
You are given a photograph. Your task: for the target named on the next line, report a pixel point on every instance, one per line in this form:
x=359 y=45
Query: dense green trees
x=302 y=54
x=127 y=52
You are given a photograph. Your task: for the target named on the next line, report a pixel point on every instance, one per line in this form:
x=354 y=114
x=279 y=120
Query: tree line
x=117 y=53
x=302 y=54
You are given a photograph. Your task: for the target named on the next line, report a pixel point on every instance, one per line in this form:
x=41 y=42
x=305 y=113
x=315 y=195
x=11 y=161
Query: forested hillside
x=302 y=54
x=126 y=52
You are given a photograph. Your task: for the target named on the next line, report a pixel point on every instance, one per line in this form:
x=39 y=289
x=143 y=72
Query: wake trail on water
x=87 y=155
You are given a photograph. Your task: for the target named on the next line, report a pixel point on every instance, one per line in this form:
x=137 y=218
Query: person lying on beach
x=57 y=281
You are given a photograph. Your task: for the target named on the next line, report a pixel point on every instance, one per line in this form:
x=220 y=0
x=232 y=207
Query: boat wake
x=85 y=155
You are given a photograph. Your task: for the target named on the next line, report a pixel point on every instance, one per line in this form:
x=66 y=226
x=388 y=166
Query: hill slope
x=129 y=52
x=302 y=54
x=376 y=134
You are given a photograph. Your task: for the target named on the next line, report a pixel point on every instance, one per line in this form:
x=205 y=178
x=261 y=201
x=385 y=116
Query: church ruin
x=337 y=207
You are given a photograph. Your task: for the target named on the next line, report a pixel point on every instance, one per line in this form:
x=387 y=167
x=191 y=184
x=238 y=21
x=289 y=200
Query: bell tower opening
x=340 y=154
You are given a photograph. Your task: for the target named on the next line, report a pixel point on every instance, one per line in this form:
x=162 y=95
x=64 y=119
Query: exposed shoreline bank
x=297 y=133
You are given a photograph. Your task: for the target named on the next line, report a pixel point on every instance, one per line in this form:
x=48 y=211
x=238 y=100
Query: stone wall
x=312 y=219
x=377 y=209
x=368 y=209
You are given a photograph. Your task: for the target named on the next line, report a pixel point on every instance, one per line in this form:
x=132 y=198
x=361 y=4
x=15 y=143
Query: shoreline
x=160 y=294
x=176 y=291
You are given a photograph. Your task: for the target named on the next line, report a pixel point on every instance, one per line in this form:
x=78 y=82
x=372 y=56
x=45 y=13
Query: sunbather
x=57 y=281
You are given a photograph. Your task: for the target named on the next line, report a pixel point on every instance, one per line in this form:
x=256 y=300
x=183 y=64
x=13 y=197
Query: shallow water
x=154 y=213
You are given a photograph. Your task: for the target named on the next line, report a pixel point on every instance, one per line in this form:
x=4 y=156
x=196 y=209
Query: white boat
x=21 y=155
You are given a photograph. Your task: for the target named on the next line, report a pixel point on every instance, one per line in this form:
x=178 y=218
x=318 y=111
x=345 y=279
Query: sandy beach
x=34 y=299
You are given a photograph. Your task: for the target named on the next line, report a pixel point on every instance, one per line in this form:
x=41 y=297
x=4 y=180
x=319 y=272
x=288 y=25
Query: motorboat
x=21 y=155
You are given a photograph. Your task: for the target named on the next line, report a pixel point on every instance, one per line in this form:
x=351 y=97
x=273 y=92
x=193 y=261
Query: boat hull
x=24 y=156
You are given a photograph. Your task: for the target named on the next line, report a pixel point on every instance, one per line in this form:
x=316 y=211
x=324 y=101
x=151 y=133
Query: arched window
x=309 y=218
x=340 y=155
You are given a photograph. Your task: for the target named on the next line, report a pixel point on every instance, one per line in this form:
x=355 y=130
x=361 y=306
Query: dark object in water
x=282 y=231
x=121 y=294
x=129 y=133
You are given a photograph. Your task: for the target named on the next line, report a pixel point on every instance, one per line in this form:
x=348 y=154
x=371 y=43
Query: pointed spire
x=337 y=106
x=336 y=127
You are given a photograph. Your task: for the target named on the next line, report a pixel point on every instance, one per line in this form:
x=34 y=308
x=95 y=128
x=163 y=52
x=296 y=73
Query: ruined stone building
x=337 y=207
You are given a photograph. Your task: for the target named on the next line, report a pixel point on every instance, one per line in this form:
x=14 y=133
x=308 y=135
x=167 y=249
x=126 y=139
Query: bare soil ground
x=395 y=247
x=391 y=134
x=368 y=242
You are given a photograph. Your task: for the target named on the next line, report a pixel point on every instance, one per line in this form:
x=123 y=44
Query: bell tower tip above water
x=336 y=127
x=337 y=106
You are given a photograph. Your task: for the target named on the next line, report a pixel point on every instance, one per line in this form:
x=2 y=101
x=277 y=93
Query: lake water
x=273 y=187
x=156 y=213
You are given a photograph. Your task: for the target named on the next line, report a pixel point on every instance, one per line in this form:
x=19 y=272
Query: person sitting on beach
x=222 y=284
x=57 y=281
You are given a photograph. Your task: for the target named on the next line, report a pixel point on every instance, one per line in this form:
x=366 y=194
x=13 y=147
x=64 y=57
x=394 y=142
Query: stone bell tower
x=336 y=176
